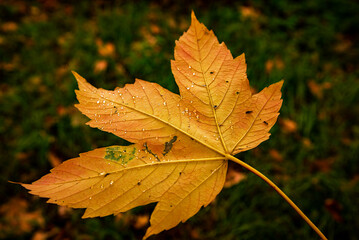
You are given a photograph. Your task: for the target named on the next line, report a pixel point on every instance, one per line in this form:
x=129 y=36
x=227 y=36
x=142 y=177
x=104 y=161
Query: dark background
x=312 y=153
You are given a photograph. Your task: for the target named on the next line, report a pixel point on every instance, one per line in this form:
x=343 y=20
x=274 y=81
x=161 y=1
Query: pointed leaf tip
x=76 y=75
x=193 y=16
x=82 y=83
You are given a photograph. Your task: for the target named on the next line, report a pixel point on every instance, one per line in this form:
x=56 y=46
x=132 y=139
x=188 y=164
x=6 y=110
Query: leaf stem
x=280 y=192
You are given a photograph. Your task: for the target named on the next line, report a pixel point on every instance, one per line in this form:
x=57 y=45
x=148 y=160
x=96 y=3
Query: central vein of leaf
x=210 y=96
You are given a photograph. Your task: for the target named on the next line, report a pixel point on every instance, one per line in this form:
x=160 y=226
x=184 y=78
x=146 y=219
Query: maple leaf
x=181 y=143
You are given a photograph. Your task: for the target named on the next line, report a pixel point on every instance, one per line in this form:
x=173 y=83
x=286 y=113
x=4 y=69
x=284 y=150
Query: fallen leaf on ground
x=141 y=221
x=233 y=177
x=105 y=49
x=100 y=66
x=17 y=218
x=276 y=63
x=275 y=154
x=288 y=125
x=317 y=89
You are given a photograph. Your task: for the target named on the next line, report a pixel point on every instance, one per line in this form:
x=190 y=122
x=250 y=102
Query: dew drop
x=164 y=103
x=101 y=185
x=193 y=74
x=90 y=198
x=189 y=67
x=188 y=88
x=143 y=129
x=104 y=101
x=102 y=173
x=111 y=182
x=98 y=101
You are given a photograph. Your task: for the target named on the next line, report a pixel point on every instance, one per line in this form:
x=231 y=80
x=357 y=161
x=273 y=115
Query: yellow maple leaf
x=181 y=143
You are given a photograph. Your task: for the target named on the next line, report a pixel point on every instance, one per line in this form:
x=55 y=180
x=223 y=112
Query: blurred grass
x=312 y=154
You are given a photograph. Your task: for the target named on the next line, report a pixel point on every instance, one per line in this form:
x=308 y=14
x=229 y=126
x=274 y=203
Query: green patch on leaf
x=121 y=154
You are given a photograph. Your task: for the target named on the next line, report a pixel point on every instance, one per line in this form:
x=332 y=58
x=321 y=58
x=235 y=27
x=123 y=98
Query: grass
x=311 y=44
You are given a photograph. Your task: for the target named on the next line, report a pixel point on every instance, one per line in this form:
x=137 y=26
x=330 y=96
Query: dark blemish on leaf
x=139 y=183
x=227 y=81
x=180 y=173
x=170 y=205
x=169 y=145
x=265 y=122
x=237 y=93
x=215 y=106
x=150 y=152
x=115 y=109
x=248 y=112
x=211 y=72
x=106 y=175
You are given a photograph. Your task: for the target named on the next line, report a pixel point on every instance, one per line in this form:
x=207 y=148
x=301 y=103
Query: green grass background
x=309 y=43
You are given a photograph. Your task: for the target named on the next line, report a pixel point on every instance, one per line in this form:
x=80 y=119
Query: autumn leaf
x=181 y=143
